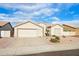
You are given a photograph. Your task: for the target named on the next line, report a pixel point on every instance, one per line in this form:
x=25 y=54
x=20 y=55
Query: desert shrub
x=64 y=36
x=53 y=35
x=55 y=39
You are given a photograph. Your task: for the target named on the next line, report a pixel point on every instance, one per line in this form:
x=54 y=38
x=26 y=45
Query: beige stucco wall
x=69 y=33
x=77 y=32
x=44 y=26
x=73 y=30
x=59 y=32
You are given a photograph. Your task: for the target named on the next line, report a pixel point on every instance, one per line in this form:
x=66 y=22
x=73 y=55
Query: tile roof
x=3 y=23
x=69 y=26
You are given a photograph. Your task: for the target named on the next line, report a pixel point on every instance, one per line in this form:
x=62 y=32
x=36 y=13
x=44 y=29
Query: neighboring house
x=69 y=30
x=6 y=29
x=28 y=29
x=62 y=30
x=77 y=32
x=56 y=29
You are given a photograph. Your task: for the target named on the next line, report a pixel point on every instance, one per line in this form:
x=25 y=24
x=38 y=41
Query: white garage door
x=5 y=33
x=29 y=33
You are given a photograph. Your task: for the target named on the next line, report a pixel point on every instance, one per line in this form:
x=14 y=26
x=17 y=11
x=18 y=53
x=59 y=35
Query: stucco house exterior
x=6 y=29
x=77 y=32
x=55 y=29
x=44 y=25
x=62 y=30
x=33 y=29
x=69 y=30
x=28 y=29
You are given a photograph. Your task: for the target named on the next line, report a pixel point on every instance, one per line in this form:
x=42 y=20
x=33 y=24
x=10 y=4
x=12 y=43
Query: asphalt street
x=74 y=52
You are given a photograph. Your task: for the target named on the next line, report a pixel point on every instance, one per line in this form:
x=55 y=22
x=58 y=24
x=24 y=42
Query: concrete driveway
x=21 y=46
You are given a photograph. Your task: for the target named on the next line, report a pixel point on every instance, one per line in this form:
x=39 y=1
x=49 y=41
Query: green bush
x=55 y=39
x=53 y=35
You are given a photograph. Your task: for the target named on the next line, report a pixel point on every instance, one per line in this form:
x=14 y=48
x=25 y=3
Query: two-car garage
x=29 y=33
x=28 y=29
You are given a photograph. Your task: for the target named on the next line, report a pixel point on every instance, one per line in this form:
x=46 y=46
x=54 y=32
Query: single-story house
x=28 y=29
x=62 y=30
x=6 y=29
x=56 y=29
x=69 y=30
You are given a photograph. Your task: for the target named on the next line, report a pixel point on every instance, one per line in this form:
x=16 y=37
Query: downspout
x=0 y=33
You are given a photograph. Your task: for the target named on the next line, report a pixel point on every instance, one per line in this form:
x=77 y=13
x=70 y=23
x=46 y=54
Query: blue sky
x=43 y=12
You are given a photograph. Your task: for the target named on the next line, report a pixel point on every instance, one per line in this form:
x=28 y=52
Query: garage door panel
x=5 y=33
x=28 y=33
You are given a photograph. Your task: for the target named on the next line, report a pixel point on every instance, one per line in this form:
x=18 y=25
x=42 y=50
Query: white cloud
x=28 y=11
x=48 y=11
x=74 y=23
x=15 y=20
x=25 y=7
x=55 y=19
x=45 y=11
x=40 y=13
x=4 y=17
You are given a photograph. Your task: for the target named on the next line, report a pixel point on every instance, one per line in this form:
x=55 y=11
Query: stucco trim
x=28 y=22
